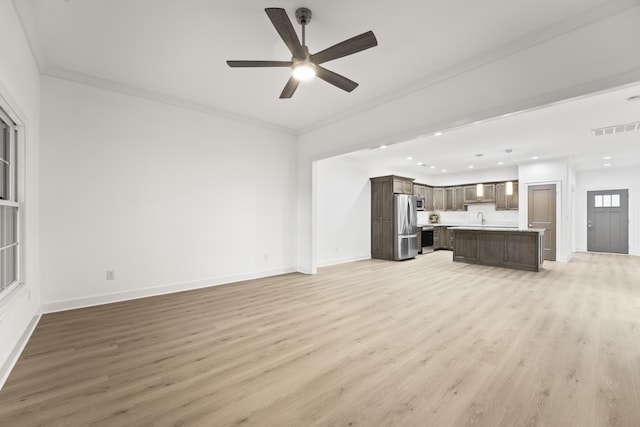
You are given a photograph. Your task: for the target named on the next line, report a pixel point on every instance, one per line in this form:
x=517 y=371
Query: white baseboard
x=6 y=369
x=52 y=307
x=343 y=260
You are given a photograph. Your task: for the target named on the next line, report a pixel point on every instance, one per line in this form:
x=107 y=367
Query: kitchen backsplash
x=470 y=216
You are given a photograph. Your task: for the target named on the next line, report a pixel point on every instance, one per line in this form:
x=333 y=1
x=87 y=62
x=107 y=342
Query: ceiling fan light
x=509 y=188
x=304 y=71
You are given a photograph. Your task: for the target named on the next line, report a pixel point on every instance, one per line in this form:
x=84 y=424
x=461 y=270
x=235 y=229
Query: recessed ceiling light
x=409 y=158
x=470 y=166
x=606 y=158
x=444 y=170
x=501 y=163
x=433 y=167
x=535 y=158
x=382 y=147
x=634 y=98
x=420 y=163
x=607 y=164
x=437 y=134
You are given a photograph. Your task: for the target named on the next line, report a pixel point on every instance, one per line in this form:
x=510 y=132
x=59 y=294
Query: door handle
x=530 y=225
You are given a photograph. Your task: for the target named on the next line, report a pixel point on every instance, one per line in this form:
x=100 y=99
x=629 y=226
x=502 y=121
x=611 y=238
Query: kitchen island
x=521 y=249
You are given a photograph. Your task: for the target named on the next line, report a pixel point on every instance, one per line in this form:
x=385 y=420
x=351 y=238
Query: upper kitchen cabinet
x=504 y=202
x=425 y=192
x=454 y=199
x=471 y=194
x=458 y=199
x=489 y=193
x=449 y=197
x=429 y=199
x=402 y=185
x=438 y=199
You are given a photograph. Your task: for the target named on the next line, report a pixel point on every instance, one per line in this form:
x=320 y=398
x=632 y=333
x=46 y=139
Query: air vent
x=612 y=130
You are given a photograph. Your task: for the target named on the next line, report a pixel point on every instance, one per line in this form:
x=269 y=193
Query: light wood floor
x=426 y=342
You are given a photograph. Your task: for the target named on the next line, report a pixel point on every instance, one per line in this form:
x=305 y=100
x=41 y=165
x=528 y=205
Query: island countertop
x=497 y=228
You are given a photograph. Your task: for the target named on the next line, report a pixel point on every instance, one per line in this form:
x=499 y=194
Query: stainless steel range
x=427 y=238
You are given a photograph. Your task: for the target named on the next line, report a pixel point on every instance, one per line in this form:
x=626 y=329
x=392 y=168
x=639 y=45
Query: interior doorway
x=608 y=221
x=542 y=214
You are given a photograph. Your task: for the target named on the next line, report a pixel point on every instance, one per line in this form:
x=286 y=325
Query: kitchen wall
x=168 y=198
x=489 y=213
x=20 y=88
x=559 y=172
x=608 y=179
x=343 y=210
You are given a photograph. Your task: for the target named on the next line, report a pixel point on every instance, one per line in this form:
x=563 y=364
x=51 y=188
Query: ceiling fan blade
x=290 y=88
x=283 y=25
x=347 y=47
x=259 y=63
x=335 y=79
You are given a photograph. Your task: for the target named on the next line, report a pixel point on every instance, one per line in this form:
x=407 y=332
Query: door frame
x=523 y=196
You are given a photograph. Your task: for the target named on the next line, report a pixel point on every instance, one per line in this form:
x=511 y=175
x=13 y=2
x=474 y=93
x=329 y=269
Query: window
x=9 y=206
x=607 y=201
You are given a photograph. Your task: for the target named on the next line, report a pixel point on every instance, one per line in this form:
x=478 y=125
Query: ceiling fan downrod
x=303 y=16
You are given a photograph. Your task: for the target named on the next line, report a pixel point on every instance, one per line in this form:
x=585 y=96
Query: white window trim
x=17 y=192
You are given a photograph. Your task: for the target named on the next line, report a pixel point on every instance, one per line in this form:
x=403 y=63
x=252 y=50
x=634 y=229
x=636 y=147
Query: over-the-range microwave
x=420 y=205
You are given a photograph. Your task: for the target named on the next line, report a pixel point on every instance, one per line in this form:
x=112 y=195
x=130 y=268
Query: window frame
x=16 y=193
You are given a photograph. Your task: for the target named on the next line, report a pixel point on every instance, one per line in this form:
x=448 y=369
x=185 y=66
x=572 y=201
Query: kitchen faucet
x=481 y=215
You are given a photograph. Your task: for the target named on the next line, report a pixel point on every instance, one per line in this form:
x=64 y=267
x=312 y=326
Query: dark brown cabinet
x=454 y=199
x=382 y=218
x=382 y=190
x=458 y=199
x=426 y=192
x=504 y=202
x=402 y=185
x=442 y=238
x=519 y=249
x=470 y=194
x=438 y=199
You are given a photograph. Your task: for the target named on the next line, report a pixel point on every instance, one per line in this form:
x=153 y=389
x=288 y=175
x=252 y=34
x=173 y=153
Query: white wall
x=545 y=72
x=608 y=179
x=166 y=197
x=556 y=172
x=20 y=87
x=344 y=210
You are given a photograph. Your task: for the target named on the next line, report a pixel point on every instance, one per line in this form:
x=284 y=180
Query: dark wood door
x=608 y=221
x=542 y=214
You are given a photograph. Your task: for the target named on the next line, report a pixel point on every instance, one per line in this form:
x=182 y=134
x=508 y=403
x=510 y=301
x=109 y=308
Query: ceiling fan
x=305 y=66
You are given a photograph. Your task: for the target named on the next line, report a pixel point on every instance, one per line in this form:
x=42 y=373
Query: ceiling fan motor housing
x=303 y=15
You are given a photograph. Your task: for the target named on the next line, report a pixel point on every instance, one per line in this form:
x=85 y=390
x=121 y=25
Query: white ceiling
x=562 y=130
x=175 y=51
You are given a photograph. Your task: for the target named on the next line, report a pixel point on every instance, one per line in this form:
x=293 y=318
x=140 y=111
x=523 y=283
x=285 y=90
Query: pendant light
x=509 y=185
x=479 y=186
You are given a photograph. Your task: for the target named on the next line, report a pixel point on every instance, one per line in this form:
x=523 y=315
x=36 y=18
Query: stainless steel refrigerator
x=405 y=228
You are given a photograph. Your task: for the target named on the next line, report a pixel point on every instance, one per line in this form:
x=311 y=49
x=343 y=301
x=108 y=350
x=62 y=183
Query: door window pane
x=606 y=201
x=615 y=201
x=598 y=201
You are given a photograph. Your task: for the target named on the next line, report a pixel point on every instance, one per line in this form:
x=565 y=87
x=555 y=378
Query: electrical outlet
x=111 y=275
